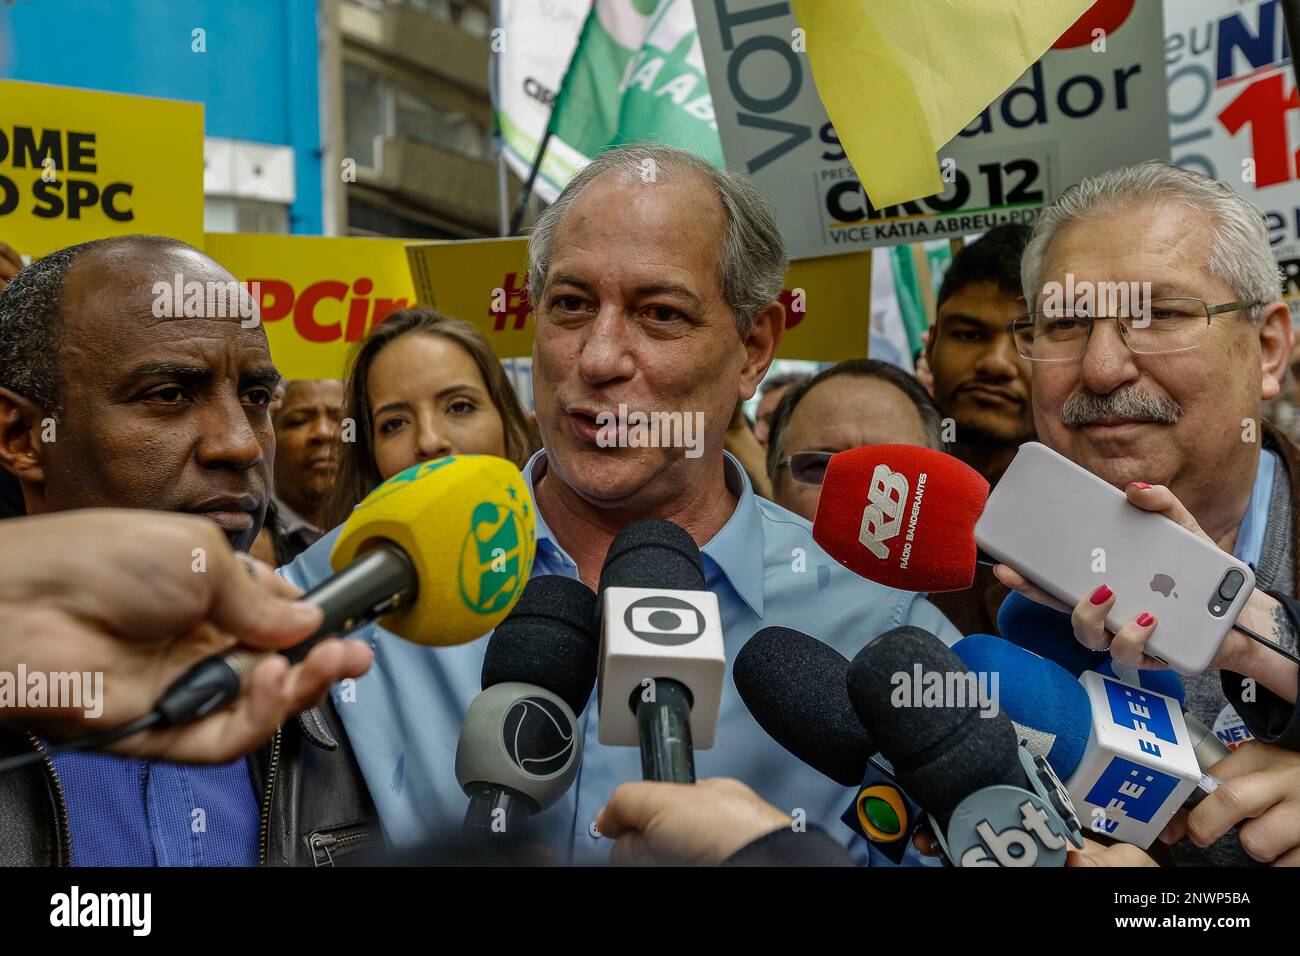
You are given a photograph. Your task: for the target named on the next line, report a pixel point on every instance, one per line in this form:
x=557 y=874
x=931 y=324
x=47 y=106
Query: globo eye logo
x=882 y=814
x=537 y=736
x=663 y=620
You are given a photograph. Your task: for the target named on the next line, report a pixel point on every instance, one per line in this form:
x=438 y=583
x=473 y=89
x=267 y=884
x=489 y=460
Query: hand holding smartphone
x=1068 y=532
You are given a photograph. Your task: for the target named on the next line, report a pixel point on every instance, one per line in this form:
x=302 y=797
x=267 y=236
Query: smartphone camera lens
x=1228 y=588
x=1231 y=584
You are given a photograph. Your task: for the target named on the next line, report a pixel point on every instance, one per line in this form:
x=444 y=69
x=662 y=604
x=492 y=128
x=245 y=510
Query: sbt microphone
x=437 y=554
x=796 y=688
x=1128 y=760
x=902 y=516
x=520 y=745
x=990 y=801
x=662 y=660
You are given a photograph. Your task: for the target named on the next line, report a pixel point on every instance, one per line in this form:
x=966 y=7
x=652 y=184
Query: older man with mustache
x=1161 y=397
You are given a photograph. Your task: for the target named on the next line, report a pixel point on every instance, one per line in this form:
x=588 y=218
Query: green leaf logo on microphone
x=494 y=560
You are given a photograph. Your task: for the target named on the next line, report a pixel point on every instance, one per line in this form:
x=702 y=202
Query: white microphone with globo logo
x=662 y=659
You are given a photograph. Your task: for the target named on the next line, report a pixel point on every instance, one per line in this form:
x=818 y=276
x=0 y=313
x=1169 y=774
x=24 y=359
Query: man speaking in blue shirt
x=655 y=279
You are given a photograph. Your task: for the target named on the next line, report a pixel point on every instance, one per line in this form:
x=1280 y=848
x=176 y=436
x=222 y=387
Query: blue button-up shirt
x=404 y=716
x=128 y=812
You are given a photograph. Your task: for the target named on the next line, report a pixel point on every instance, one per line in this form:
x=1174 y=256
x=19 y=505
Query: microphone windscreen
x=466 y=522
x=902 y=516
x=942 y=751
x=1044 y=631
x=653 y=554
x=548 y=641
x=1165 y=682
x=794 y=685
x=1046 y=703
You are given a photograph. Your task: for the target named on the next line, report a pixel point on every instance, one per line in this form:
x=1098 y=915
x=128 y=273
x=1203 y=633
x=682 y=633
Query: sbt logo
x=882 y=519
x=1014 y=846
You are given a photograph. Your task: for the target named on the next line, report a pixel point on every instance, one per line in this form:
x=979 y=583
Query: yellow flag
x=900 y=78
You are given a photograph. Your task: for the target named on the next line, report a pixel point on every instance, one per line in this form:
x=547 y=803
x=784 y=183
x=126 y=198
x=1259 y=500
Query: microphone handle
x=665 y=730
x=481 y=816
x=375 y=583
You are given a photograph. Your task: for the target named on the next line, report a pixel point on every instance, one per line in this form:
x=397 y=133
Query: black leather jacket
x=315 y=806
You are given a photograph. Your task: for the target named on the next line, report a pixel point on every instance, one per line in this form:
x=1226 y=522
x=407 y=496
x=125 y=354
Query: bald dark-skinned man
x=134 y=373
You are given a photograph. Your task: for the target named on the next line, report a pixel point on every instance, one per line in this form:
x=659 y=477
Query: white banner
x=1094 y=102
x=531 y=51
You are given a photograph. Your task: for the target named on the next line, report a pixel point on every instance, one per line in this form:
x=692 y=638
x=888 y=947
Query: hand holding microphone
x=438 y=554
x=145 y=608
x=1260 y=794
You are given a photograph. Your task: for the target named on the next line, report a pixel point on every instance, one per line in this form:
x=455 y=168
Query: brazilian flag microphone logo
x=883 y=813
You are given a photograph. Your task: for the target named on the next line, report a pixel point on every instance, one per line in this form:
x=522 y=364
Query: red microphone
x=902 y=516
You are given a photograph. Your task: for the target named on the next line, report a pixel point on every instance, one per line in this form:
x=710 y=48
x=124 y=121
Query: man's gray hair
x=752 y=264
x=1239 y=250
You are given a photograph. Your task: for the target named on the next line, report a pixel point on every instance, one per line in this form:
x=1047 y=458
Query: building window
x=364 y=113
x=375 y=106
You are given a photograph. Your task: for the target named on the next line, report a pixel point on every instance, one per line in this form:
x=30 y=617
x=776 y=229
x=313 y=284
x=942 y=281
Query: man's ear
x=760 y=346
x=1275 y=341
x=22 y=450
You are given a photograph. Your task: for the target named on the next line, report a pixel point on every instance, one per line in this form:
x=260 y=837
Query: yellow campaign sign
x=827 y=299
x=81 y=164
x=318 y=295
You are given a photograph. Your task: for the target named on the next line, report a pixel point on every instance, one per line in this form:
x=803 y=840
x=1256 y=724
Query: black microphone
x=662 y=656
x=520 y=746
x=990 y=802
x=796 y=688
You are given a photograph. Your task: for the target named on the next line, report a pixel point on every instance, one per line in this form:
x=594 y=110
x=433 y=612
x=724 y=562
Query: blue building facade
x=257 y=72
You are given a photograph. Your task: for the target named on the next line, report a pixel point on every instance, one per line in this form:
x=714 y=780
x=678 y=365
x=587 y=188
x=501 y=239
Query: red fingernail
x=1101 y=595
x=1143 y=485
x=1145 y=619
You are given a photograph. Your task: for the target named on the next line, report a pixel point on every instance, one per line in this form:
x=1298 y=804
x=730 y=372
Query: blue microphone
x=1125 y=753
x=1048 y=633
x=1045 y=702
x=1044 y=631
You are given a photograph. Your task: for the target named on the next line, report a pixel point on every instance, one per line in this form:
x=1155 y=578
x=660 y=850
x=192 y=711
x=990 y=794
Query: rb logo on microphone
x=882 y=519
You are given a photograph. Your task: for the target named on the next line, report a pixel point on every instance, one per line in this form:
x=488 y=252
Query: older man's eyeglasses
x=808 y=467
x=1175 y=324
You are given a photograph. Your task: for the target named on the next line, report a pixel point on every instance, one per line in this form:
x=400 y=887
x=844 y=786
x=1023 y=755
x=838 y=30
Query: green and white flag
x=637 y=74
x=532 y=47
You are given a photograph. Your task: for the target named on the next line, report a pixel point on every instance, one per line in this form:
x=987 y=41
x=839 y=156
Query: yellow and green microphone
x=437 y=554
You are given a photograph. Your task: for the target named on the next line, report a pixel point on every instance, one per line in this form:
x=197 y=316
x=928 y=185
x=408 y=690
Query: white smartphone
x=1069 y=532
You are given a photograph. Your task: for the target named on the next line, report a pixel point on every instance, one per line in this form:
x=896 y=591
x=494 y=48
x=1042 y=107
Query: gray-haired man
x=655 y=278
x=1155 y=385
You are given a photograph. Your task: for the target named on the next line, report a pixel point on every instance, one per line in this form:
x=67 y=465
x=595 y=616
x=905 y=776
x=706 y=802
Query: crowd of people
x=656 y=295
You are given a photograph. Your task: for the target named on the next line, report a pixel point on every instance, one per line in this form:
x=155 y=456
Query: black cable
x=87 y=742
x=1271 y=645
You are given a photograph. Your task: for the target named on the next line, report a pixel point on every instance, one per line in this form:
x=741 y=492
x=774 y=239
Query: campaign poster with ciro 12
x=1094 y=101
